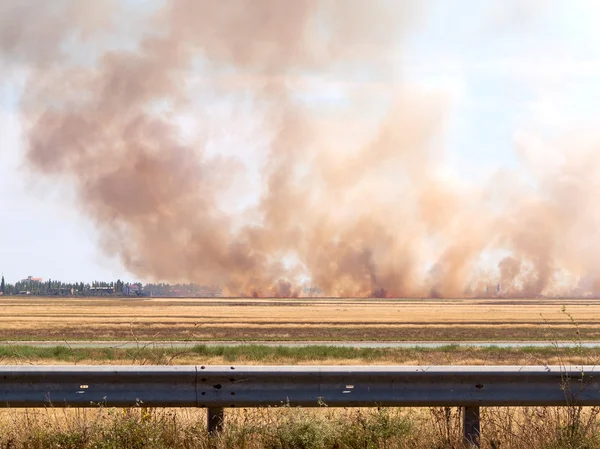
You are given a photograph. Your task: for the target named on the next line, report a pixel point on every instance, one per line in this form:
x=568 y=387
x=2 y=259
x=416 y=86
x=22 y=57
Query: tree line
x=51 y=287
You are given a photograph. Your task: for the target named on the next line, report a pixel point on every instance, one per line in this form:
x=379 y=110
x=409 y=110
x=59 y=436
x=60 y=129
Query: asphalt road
x=292 y=344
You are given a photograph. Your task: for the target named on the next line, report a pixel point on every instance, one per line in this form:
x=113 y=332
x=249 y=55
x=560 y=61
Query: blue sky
x=509 y=70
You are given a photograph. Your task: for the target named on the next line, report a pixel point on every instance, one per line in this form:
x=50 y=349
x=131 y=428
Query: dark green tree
x=2 y=285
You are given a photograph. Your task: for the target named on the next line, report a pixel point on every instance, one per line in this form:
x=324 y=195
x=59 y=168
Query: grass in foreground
x=261 y=354
x=287 y=428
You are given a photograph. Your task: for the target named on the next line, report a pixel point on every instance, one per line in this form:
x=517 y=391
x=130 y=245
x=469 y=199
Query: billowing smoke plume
x=262 y=144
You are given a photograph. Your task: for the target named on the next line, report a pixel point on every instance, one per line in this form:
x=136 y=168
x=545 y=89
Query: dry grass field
x=23 y=318
x=296 y=319
x=292 y=428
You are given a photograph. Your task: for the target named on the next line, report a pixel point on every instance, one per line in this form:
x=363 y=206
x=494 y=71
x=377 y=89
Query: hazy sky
x=512 y=72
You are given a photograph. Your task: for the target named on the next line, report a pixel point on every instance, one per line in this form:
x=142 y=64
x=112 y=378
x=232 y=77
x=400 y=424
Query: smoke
x=262 y=144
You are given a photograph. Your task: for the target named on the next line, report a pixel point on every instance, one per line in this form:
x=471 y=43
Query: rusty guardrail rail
x=220 y=387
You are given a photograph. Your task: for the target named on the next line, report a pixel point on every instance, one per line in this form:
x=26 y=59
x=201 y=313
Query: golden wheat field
x=24 y=318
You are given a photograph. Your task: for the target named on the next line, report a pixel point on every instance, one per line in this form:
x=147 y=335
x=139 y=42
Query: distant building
x=132 y=290
x=32 y=279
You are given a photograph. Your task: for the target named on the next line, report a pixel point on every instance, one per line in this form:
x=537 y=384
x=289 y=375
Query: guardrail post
x=214 y=419
x=471 y=427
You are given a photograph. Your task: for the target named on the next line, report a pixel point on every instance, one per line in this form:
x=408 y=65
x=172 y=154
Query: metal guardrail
x=219 y=387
